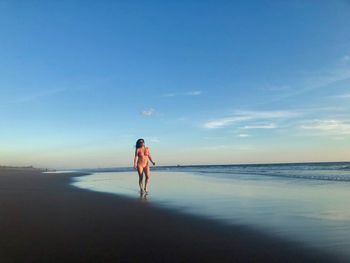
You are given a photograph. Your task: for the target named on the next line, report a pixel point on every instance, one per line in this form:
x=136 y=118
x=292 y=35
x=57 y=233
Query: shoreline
x=45 y=218
x=126 y=168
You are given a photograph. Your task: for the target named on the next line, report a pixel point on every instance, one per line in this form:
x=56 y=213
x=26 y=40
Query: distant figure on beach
x=142 y=155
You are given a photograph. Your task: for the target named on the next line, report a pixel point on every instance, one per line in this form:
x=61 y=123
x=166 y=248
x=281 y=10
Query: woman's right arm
x=135 y=159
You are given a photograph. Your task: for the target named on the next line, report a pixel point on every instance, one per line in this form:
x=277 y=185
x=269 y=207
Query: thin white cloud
x=188 y=93
x=240 y=116
x=154 y=139
x=338 y=138
x=314 y=81
x=270 y=87
x=169 y=95
x=216 y=147
x=343 y=96
x=228 y=146
x=324 y=79
x=243 y=135
x=261 y=126
x=346 y=58
x=213 y=138
x=268 y=114
x=148 y=112
x=194 y=93
x=328 y=127
x=218 y=123
x=37 y=95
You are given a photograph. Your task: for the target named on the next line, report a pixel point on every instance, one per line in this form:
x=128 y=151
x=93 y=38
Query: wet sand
x=45 y=219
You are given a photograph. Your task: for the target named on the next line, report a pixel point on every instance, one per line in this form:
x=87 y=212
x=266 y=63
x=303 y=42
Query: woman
x=142 y=155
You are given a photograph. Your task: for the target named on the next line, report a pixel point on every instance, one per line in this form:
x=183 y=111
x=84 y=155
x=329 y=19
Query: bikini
x=141 y=154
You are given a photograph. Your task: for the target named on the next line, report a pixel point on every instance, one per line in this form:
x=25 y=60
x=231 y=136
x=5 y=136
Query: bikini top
x=145 y=153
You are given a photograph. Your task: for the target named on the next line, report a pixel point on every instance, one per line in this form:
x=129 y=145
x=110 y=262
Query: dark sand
x=44 y=219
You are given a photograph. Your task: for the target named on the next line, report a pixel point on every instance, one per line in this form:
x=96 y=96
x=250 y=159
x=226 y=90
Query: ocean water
x=306 y=203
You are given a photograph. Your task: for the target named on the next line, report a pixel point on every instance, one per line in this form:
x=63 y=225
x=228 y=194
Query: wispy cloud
x=37 y=95
x=268 y=114
x=228 y=147
x=243 y=135
x=154 y=139
x=213 y=138
x=149 y=112
x=218 y=123
x=270 y=87
x=345 y=58
x=169 y=95
x=261 y=126
x=216 y=147
x=314 y=80
x=240 y=116
x=188 y=93
x=193 y=93
x=328 y=127
x=343 y=96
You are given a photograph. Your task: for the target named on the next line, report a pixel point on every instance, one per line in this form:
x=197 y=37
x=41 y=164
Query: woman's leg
x=140 y=172
x=147 y=174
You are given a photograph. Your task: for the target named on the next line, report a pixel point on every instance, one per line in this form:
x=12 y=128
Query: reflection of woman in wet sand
x=142 y=155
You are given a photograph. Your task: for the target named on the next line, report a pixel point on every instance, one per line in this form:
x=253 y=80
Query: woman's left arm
x=150 y=157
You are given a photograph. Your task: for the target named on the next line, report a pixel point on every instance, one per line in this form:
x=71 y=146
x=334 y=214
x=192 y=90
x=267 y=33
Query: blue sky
x=203 y=82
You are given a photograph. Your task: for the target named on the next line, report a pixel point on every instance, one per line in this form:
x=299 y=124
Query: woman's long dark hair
x=138 y=143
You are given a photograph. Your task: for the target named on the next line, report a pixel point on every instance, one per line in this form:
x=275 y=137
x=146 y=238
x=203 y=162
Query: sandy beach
x=45 y=219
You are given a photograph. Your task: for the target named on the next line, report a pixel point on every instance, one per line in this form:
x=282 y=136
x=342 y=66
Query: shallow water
x=314 y=212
